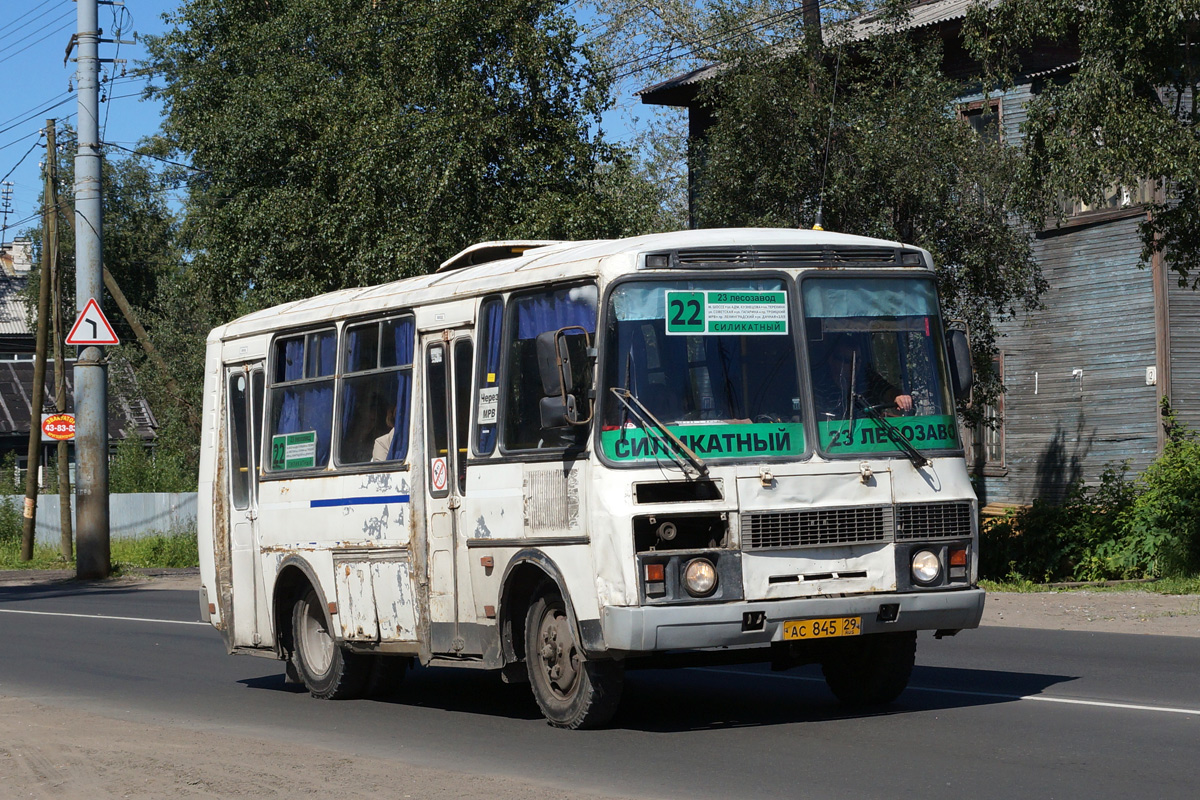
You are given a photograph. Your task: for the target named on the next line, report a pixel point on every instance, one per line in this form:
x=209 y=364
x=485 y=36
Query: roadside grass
x=1190 y=585
x=156 y=551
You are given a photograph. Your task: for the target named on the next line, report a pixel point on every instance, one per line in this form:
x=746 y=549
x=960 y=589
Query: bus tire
x=571 y=691
x=870 y=670
x=328 y=670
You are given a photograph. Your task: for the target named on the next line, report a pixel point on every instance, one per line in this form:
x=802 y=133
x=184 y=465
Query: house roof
x=12 y=307
x=679 y=89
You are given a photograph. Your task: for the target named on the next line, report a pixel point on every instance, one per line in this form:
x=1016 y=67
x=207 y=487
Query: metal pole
x=91 y=388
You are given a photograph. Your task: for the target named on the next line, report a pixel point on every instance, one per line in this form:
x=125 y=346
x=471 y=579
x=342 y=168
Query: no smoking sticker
x=438 y=474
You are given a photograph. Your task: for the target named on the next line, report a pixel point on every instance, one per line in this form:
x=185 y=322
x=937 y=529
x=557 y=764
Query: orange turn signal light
x=656 y=572
x=958 y=557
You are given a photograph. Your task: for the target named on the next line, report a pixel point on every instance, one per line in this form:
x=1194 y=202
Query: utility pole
x=5 y=206
x=65 y=539
x=91 y=378
x=38 y=390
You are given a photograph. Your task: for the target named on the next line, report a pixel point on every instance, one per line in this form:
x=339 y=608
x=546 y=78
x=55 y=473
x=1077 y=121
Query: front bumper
x=649 y=629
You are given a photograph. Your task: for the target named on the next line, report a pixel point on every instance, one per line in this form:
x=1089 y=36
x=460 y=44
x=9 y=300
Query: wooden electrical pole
x=65 y=539
x=38 y=390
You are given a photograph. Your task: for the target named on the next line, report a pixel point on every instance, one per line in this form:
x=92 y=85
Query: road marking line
x=992 y=695
x=98 y=616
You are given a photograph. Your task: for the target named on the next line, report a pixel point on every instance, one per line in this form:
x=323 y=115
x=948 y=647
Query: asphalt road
x=996 y=712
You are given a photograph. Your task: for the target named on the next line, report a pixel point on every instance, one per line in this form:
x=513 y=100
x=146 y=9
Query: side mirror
x=961 y=374
x=555 y=412
x=554 y=364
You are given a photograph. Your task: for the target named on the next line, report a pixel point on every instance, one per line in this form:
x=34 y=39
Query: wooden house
x=1086 y=374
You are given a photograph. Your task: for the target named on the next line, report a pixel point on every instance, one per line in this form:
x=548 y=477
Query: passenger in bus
x=384 y=443
x=832 y=378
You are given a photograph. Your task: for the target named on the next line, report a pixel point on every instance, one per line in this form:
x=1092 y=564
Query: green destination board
x=726 y=312
x=294 y=450
x=751 y=440
x=925 y=433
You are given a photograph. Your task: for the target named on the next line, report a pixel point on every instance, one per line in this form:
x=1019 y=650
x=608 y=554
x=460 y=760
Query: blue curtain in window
x=398 y=451
x=293 y=369
x=724 y=355
x=491 y=366
x=540 y=313
x=317 y=405
x=349 y=392
x=309 y=408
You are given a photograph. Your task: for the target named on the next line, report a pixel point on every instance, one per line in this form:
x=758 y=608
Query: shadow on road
x=675 y=701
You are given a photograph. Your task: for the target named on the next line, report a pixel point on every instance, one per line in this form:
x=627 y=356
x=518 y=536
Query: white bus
x=563 y=460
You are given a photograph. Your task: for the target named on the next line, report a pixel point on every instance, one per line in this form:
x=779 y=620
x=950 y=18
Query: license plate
x=822 y=628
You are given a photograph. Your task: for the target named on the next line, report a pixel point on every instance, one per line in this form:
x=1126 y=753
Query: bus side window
x=376 y=391
x=490 y=316
x=530 y=315
x=301 y=424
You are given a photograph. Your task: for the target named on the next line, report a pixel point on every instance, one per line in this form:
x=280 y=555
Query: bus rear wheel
x=571 y=691
x=328 y=670
x=870 y=670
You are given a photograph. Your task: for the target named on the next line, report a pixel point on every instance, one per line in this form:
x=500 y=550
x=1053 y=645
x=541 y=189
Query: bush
x=1146 y=527
x=11 y=524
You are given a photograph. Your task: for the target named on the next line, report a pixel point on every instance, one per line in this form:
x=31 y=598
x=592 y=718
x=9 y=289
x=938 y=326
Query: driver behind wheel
x=843 y=364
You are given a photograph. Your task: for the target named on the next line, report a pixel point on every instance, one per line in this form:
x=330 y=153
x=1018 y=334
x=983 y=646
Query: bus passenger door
x=244 y=385
x=448 y=369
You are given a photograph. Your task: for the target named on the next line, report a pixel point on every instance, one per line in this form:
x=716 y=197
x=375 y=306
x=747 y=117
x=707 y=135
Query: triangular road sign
x=91 y=327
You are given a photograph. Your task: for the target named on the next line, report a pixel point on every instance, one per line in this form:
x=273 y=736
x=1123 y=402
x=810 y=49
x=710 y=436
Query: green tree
x=1128 y=111
x=340 y=142
x=867 y=132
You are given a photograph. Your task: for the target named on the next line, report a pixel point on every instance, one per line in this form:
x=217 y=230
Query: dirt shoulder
x=71 y=755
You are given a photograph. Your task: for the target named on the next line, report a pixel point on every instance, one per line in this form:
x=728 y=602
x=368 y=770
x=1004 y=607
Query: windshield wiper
x=696 y=467
x=914 y=455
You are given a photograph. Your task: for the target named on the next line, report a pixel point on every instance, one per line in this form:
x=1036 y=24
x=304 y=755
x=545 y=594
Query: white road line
x=1041 y=698
x=99 y=616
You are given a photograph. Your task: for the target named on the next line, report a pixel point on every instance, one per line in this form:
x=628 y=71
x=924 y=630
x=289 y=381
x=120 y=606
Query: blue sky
x=33 y=79
x=35 y=85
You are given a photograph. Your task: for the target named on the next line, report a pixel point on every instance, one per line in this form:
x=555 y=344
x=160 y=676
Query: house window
x=1114 y=197
x=988 y=436
x=984 y=119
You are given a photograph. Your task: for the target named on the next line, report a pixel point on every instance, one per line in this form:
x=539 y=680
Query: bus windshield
x=875 y=349
x=714 y=361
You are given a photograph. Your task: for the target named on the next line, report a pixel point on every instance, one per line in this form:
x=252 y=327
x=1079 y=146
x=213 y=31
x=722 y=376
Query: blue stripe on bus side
x=375 y=500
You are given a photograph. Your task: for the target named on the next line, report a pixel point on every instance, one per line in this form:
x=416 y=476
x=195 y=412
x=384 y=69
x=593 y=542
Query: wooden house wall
x=1098 y=318
x=1184 y=389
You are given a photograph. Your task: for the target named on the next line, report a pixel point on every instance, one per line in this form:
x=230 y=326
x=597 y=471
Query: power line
x=54 y=32
x=36 y=114
x=34 y=109
x=22 y=159
x=22 y=16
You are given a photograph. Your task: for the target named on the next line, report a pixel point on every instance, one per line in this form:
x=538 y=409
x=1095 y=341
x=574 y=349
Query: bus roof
x=541 y=263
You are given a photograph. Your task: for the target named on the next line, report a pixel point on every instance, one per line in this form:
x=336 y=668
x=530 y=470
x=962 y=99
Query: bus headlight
x=700 y=577
x=926 y=567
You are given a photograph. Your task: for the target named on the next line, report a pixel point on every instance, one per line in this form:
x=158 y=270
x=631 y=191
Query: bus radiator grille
x=816 y=527
x=933 y=521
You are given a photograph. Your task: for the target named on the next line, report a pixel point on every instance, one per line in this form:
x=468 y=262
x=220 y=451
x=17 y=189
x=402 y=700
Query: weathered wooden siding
x=1098 y=318
x=1184 y=391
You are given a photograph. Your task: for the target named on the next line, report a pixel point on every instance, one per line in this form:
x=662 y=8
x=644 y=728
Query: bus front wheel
x=571 y=691
x=329 y=671
x=870 y=670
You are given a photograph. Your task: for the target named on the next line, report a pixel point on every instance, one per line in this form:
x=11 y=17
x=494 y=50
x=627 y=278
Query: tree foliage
x=868 y=132
x=340 y=142
x=1127 y=111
